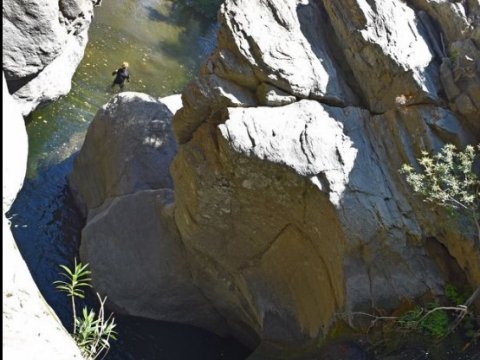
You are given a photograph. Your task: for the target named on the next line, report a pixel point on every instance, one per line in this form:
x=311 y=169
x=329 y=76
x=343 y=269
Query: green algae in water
x=164 y=46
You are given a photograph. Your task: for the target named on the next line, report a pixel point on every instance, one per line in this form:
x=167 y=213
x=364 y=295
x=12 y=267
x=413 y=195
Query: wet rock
x=345 y=350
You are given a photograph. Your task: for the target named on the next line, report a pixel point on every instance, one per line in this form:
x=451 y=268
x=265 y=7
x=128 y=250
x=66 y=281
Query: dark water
x=164 y=45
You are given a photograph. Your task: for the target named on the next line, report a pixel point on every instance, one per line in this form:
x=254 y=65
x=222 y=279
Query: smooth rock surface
x=134 y=238
x=31 y=330
x=14 y=148
x=44 y=43
x=128 y=147
x=123 y=183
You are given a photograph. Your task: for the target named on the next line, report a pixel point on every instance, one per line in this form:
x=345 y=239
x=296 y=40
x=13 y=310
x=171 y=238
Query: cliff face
x=29 y=324
x=43 y=44
x=300 y=208
x=288 y=200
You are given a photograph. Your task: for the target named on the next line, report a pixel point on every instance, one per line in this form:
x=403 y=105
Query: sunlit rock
x=44 y=42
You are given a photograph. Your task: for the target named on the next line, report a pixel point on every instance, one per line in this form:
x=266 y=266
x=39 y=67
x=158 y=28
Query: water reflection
x=164 y=45
x=47 y=228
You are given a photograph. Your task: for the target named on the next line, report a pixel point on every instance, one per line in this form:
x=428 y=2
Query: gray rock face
x=288 y=198
x=387 y=50
x=128 y=147
x=296 y=210
x=206 y=97
x=15 y=143
x=273 y=38
x=29 y=324
x=456 y=19
x=122 y=181
x=43 y=44
x=460 y=76
x=134 y=238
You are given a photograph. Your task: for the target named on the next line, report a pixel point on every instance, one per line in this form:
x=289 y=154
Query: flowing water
x=164 y=45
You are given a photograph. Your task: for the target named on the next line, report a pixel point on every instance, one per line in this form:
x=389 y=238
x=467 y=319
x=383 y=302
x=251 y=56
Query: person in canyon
x=121 y=74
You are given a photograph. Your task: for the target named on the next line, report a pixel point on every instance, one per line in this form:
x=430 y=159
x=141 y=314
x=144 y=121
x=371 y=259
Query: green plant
x=94 y=332
x=453 y=295
x=77 y=279
x=91 y=333
x=453 y=56
x=435 y=323
x=434 y=320
x=409 y=320
x=448 y=179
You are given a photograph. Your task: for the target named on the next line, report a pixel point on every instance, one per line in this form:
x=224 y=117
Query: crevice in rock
x=15 y=84
x=199 y=288
x=274 y=10
x=336 y=52
x=228 y=278
x=433 y=35
x=327 y=271
x=252 y=139
x=445 y=262
x=255 y=260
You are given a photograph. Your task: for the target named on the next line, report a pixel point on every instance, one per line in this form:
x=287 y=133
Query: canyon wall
x=30 y=326
x=289 y=206
x=43 y=43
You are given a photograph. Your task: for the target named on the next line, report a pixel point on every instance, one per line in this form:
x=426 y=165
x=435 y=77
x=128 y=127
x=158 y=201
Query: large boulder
x=43 y=44
x=295 y=210
x=134 y=238
x=15 y=144
x=121 y=181
x=128 y=147
x=303 y=210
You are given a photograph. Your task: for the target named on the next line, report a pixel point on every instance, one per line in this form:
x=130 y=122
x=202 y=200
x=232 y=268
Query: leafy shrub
x=448 y=179
x=91 y=333
x=453 y=295
x=435 y=323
